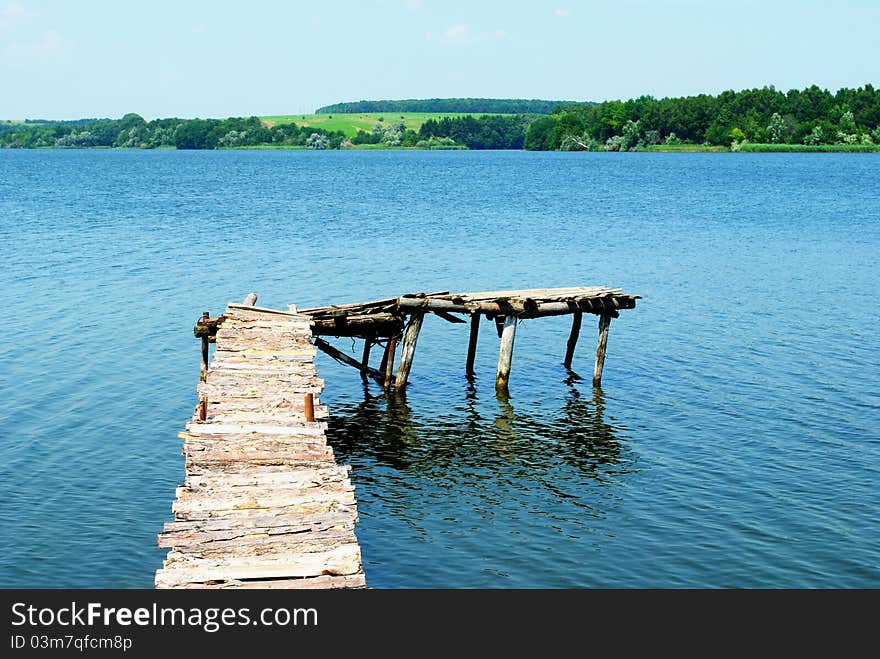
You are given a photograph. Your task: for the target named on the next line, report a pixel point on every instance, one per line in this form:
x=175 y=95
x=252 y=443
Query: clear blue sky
x=159 y=58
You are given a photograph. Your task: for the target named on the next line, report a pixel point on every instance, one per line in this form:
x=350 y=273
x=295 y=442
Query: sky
x=95 y=58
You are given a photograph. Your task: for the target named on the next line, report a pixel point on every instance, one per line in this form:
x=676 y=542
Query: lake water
x=735 y=443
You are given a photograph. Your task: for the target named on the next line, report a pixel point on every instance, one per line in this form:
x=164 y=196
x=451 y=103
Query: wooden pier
x=264 y=504
x=399 y=320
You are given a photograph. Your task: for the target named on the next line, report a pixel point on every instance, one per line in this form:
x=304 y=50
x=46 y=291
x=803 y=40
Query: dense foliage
x=132 y=131
x=462 y=105
x=485 y=132
x=810 y=117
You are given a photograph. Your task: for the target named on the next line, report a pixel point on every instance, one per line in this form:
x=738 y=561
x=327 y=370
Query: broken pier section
x=397 y=321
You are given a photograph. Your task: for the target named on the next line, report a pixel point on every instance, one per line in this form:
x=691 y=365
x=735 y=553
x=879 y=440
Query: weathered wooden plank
x=345 y=559
x=221 y=489
x=266 y=478
x=235 y=310
x=264 y=499
x=265 y=523
x=305 y=541
x=313 y=507
x=341 y=532
x=292 y=429
x=322 y=582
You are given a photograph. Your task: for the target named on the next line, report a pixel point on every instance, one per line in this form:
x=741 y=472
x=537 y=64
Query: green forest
x=763 y=119
x=133 y=132
x=812 y=117
x=466 y=105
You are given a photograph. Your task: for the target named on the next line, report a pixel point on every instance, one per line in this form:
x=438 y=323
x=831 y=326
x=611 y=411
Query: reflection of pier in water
x=473 y=435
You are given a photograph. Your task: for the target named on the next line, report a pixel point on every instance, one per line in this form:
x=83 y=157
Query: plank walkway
x=264 y=504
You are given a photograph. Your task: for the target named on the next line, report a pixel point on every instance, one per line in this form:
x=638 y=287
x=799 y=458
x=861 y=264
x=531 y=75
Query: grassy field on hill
x=351 y=123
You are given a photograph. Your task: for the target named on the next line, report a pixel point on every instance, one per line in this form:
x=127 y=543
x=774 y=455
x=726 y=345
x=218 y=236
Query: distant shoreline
x=659 y=148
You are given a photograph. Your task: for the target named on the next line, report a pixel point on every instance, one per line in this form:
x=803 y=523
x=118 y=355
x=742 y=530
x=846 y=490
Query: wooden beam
x=340 y=356
x=472 y=345
x=250 y=300
x=505 y=354
x=378 y=324
x=410 y=337
x=573 y=338
x=524 y=308
x=448 y=316
x=604 y=324
x=388 y=360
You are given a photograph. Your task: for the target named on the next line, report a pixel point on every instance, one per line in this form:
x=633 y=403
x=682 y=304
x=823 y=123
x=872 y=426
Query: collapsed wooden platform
x=386 y=322
x=264 y=503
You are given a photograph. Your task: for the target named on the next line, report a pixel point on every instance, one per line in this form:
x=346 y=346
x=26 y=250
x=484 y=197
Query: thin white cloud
x=459 y=34
x=51 y=43
x=412 y=5
x=12 y=10
x=562 y=11
x=10 y=15
x=464 y=34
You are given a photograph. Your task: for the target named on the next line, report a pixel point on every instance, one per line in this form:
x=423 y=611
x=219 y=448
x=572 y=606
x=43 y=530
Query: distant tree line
x=812 y=119
x=462 y=105
x=132 y=131
x=812 y=116
x=484 y=132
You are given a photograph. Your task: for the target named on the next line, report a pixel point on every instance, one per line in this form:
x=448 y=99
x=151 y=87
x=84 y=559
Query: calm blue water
x=736 y=442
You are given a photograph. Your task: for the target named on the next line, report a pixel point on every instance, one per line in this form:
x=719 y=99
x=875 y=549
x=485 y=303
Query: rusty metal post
x=309 y=407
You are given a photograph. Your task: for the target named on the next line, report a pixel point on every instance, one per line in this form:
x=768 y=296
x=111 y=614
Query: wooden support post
x=573 y=338
x=604 y=324
x=309 y=407
x=389 y=361
x=365 y=358
x=505 y=354
x=204 y=370
x=409 y=348
x=203 y=375
x=203 y=409
x=250 y=300
x=472 y=344
x=384 y=359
